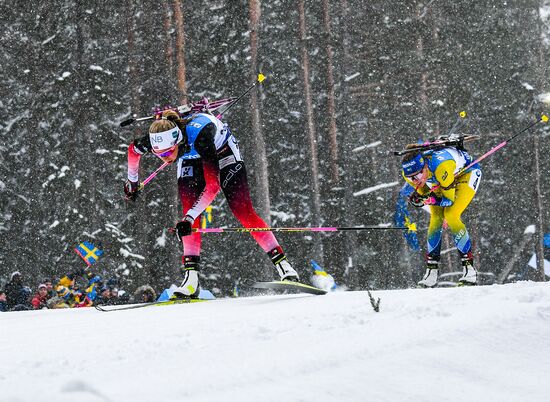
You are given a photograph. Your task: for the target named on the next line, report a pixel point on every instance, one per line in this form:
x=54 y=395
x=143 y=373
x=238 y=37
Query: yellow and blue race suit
x=452 y=195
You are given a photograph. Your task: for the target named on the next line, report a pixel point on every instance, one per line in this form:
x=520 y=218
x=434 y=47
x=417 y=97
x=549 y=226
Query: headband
x=165 y=139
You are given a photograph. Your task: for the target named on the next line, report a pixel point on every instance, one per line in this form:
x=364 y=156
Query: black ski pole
x=259 y=80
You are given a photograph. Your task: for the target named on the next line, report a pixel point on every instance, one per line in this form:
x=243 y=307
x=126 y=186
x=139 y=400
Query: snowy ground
x=489 y=343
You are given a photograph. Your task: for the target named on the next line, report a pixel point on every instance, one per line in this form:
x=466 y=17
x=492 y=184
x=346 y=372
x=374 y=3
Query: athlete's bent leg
x=435 y=230
x=466 y=189
x=190 y=185
x=236 y=191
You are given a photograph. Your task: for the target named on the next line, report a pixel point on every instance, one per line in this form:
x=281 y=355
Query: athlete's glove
x=417 y=200
x=438 y=201
x=131 y=189
x=185 y=227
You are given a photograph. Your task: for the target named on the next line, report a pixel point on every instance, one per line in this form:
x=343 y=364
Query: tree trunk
x=169 y=45
x=351 y=275
x=140 y=231
x=132 y=65
x=331 y=109
x=84 y=158
x=539 y=245
x=180 y=49
x=312 y=134
x=261 y=171
x=335 y=209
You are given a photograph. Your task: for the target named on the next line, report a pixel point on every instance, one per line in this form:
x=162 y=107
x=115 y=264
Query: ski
x=450 y=141
x=150 y=304
x=289 y=286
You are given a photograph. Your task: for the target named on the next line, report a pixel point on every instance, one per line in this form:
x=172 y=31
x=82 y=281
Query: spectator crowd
x=78 y=289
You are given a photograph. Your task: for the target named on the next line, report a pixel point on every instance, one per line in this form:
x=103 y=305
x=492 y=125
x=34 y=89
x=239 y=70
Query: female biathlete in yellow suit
x=433 y=175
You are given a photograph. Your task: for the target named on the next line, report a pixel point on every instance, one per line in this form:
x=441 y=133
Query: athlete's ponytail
x=164 y=122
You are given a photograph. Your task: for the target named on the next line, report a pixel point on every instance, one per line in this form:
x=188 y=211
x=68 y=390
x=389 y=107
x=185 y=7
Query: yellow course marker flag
x=261 y=77
x=544 y=118
x=462 y=114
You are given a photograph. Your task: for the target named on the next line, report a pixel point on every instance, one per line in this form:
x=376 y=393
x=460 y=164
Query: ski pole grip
x=127 y=122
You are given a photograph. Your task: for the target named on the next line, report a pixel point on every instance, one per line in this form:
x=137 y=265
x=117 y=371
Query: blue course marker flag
x=403 y=217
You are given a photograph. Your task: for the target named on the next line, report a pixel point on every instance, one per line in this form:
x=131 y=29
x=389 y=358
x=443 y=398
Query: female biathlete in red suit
x=208 y=160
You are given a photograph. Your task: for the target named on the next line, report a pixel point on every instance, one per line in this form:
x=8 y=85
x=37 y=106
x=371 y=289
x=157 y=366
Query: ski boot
x=429 y=280
x=189 y=288
x=285 y=270
x=469 y=273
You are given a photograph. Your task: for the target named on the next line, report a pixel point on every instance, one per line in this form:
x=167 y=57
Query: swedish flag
x=206 y=218
x=89 y=253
